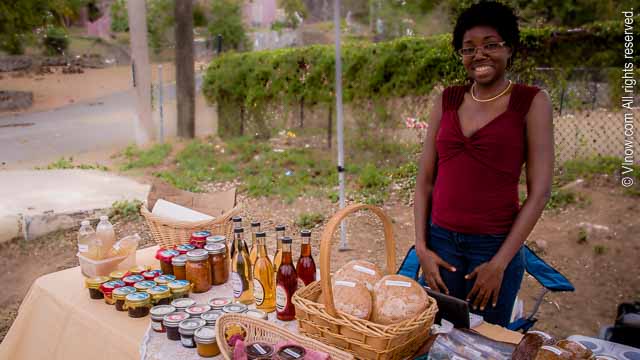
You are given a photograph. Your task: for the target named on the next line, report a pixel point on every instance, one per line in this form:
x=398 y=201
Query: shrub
x=55 y=41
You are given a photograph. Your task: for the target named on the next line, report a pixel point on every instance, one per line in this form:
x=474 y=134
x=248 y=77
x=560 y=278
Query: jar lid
x=151 y=274
x=180 y=260
x=96 y=281
x=197 y=309
x=261 y=234
x=122 y=292
x=166 y=254
x=291 y=352
x=219 y=303
x=179 y=285
x=175 y=318
x=189 y=326
x=144 y=285
x=133 y=278
x=138 y=269
x=258 y=314
x=158 y=290
x=280 y=227
x=259 y=350
x=202 y=235
x=118 y=274
x=111 y=285
x=160 y=311
x=211 y=316
x=183 y=303
x=138 y=297
x=235 y=308
x=205 y=335
x=216 y=239
x=164 y=279
x=305 y=233
x=216 y=248
x=184 y=248
x=197 y=255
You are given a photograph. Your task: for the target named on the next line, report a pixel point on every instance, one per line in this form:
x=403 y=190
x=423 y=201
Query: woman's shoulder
x=452 y=96
x=524 y=95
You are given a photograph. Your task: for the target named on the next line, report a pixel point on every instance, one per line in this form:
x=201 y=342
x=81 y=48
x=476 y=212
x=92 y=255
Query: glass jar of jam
x=144 y=285
x=164 y=279
x=119 y=296
x=182 y=304
x=183 y=249
x=205 y=338
x=151 y=274
x=187 y=328
x=218 y=262
x=158 y=313
x=160 y=295
x=217 y=239
x=219 y=303
x=198 y=309
x=211 y=317
x=93 y=284
x=171 y=323
x=118 y=274
x=138 y=304
x=199 y=239
x=258 y=350
x=107 y=290
x=180 y=267
x=139 y=269
x=179 y=288
x=132 y=279
x=291 y=352
x=198 y=270
x=165 y=256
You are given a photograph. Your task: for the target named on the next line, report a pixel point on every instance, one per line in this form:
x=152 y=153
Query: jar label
x=236 y=284
x=188 y=342
x=157 y=326
x=83 y=248
x=258 y=291
x=282 y=299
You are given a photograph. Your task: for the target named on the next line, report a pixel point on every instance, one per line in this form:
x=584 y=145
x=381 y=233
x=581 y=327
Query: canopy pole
x=340 y=123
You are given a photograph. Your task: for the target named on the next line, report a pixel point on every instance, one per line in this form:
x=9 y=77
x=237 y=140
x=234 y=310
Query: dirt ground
x=603 y=267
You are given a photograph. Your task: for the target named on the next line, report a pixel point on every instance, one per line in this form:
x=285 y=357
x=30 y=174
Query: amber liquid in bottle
x=241 y=277
x=306 y=267
x=264 y=289
x=277 y=257
x=286 y=284
x=253 y=253
x=237 y=224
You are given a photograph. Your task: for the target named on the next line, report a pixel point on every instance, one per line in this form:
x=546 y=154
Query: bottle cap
x=255 y=223
x=280 y=227
x=238 y=230
x=305 y=233
x=104 y=218
x=261 y=234
x=287 y=240
x=236 y=219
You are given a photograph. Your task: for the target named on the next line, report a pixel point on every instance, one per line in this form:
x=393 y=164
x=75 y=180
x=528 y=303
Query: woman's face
x=486 y=66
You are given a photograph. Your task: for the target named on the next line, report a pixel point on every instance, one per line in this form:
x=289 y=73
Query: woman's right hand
x=431 y=263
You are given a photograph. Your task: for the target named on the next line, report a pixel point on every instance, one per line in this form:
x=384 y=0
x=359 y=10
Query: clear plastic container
x=91 y=267
x=105 y=236
x=86 y=236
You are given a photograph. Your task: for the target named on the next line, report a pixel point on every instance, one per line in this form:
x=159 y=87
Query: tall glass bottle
x=286 y=283
x=253 y=253
x=264 y=290
x=237 y=224
x=241 y=277
x=277 y=257
x=306 y=267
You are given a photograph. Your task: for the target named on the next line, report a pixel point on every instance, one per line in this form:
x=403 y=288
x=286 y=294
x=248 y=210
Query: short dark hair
x=488 y=13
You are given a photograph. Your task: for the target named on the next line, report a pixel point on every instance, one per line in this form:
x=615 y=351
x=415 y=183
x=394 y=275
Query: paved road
x=93 y=125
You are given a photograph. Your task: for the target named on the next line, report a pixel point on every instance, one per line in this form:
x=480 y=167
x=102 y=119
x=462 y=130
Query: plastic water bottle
x=85 y=237
x=105 y=235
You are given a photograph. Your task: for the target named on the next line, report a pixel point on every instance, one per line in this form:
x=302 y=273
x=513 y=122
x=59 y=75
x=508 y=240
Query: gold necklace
x=473 y=87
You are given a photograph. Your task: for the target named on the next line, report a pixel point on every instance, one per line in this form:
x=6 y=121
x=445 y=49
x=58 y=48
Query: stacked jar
x=165 y=256
x=157 y=316
x=199 y=239
x=108 y=288
x=180 y=266
x=198 y=270
x=179 y=288
x=218 y=262
x=160 y=295
x=119 y=296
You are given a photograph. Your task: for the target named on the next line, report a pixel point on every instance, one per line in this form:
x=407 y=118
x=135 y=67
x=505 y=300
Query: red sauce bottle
x=286 y=283
x=306 y=267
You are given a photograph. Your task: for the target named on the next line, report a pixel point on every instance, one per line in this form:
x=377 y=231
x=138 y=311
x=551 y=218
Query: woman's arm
x=540 y=160
x=429 y=261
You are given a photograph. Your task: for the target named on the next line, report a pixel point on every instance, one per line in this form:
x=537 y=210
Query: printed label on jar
x=258 y=292
x=157 y=326
x=186 y=341
x=363 y=269
x=236 y=284
x=83 y=248
x=281 y=298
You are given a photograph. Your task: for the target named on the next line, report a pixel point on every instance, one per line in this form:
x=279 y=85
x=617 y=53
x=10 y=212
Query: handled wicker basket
x=263 y=331
x=363 y=338
x=168 y=232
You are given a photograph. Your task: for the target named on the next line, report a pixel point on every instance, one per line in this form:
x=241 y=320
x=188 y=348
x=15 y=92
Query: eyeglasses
x=486 y=48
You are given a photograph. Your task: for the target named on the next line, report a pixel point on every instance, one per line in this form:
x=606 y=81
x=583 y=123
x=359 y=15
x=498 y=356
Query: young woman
x=469 y=225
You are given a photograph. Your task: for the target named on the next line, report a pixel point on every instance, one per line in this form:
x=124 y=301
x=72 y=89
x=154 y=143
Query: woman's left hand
x=487 y=286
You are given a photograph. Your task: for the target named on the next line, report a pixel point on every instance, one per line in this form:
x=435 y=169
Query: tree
x=185 y=77
x=293 y=10
x=226 y=20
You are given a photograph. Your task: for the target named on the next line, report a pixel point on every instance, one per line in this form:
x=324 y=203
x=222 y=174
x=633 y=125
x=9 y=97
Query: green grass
x=309 y=220
x=587 y=169
x=125 y=210
x=64 y=163
x=139 y=158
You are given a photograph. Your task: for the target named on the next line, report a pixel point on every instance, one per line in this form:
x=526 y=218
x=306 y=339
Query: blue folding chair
x=547 y=276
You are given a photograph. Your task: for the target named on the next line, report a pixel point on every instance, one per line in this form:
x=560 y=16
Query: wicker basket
x=364 y=339
x=168 y=232
x=264 y=331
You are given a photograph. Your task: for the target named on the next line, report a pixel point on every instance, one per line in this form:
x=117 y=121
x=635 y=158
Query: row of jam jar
x=202 y=267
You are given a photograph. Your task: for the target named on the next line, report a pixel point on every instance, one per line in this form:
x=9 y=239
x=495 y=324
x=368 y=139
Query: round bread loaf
x=352 y=298
x=578 y=350
x=397 y=298
x=528 y=347
x=553 y=353
x=359 y=271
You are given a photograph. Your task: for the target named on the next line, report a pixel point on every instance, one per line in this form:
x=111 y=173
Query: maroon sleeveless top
x=476 y=188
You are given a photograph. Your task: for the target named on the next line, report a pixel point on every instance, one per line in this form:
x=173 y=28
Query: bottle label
x=186 y=341
x=258 y=292
x=157 y=326
x=363 y=269
x=282 y=300
x=345 y=283
x=236 y=284
x=83 y=248
x=397 y=283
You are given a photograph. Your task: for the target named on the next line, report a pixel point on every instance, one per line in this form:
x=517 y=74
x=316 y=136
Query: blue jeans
x=465 y=252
